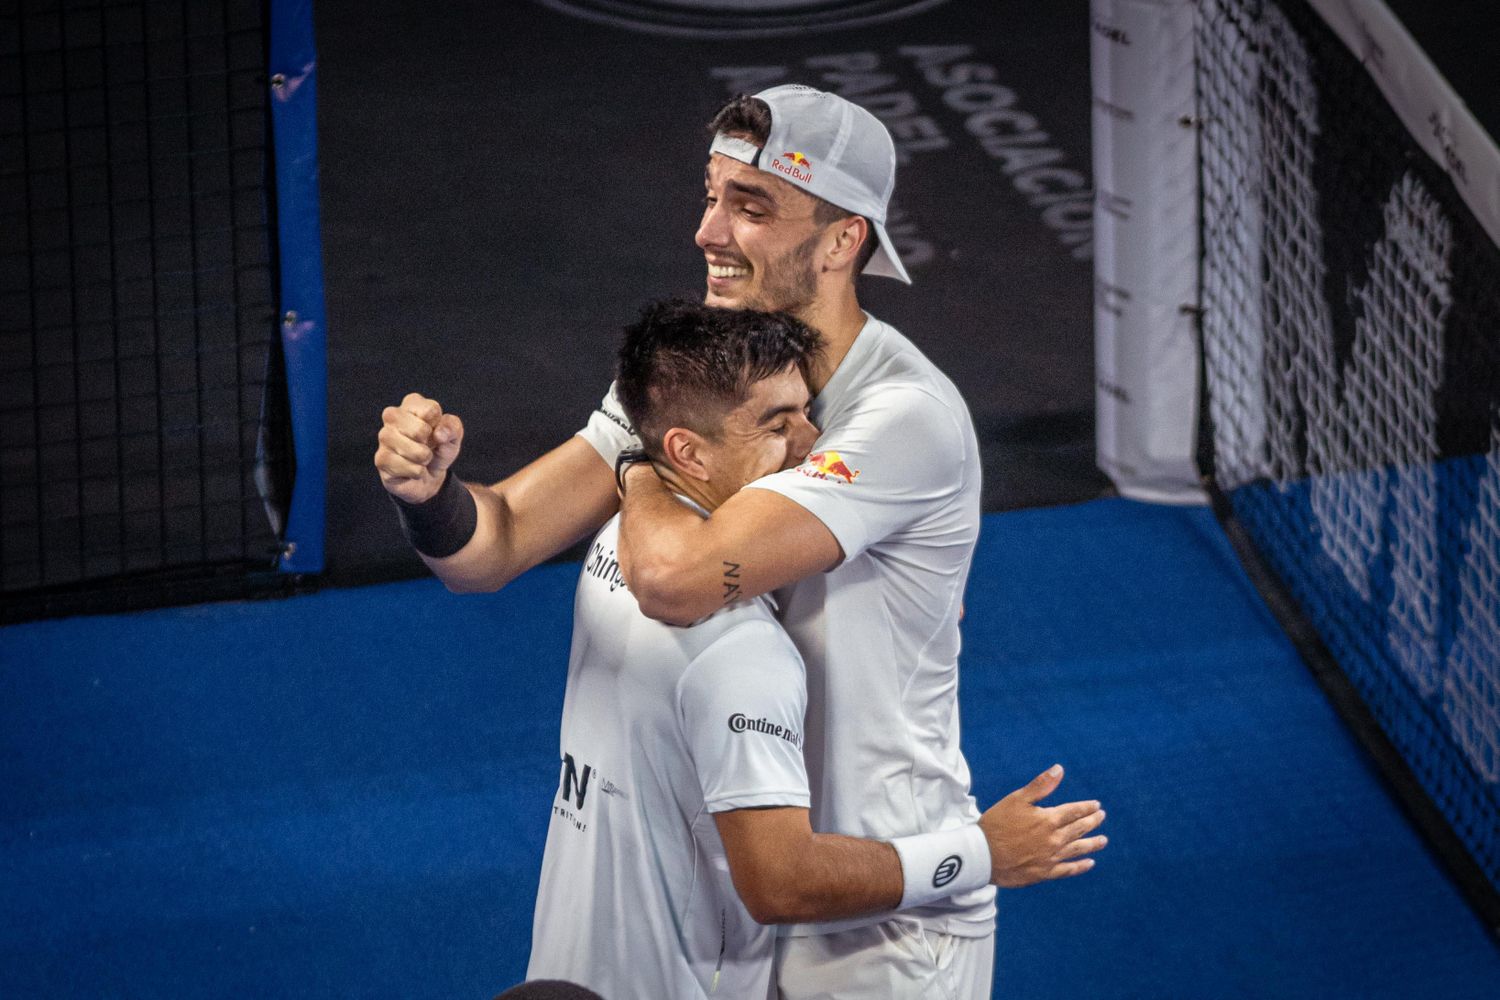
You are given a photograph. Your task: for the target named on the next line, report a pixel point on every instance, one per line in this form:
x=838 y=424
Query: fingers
x=447 y=438
x=1086 y=823
x=1043 y=784
x=426 y=410
x=393 y=466
x=1072 y=812
x=1076 y=845
x=417 y=438
x=1030 y=843
x=1069 y=868
x=400 y=456
x=407 y=423
x=404 y=445
x=1070 y=861
x=1079 y=848
x=418 y=442
x=448 y=430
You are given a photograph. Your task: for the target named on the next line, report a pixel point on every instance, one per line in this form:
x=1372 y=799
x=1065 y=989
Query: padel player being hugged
x=868 y=542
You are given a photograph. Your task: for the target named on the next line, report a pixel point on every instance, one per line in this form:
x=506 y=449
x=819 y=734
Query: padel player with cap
x=869 y=539
x=680 y=826
x=871 y=536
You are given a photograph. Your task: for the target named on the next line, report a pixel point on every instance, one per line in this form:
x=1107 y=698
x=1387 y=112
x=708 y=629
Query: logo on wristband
x=947 y=870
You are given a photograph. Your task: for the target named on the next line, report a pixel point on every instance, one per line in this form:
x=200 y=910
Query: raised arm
x=786 y=873
x=681 y=567
x=519 y=522
x=898 y=457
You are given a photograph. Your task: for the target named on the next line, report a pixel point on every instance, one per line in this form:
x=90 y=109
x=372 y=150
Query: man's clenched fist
x=418 y=441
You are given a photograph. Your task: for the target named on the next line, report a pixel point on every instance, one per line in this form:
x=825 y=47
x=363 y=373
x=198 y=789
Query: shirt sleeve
x=893 y=461
x=608 y=430
x=742 y=703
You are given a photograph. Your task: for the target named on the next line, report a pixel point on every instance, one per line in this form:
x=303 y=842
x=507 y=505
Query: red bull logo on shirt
x=827 y=465
x=794 y=165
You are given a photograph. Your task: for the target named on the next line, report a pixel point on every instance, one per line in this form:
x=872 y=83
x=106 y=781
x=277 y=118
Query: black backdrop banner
x=504 y=186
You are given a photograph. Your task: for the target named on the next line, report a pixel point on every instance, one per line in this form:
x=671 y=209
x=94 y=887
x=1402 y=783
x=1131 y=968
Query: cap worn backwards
x=832 y=148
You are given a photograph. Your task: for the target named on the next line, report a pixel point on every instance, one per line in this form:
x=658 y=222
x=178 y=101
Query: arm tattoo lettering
x=731 y=581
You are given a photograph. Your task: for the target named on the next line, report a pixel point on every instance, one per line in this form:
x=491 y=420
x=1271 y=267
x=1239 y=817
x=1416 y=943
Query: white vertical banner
x=1146 y=248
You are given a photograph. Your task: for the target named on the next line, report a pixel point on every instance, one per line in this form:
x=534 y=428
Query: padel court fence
x=161 y=322
x=1351 y=360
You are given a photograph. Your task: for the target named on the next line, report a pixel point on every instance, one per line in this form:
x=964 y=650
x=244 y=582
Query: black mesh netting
x=1352 y=358
x=136 y=319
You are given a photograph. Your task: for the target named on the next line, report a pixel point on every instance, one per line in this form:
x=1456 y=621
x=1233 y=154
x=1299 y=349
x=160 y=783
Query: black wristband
x=444 y=523
x=623 y=461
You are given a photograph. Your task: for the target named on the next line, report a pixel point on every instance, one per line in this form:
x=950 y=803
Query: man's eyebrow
x=753 y=190
x=776 y=411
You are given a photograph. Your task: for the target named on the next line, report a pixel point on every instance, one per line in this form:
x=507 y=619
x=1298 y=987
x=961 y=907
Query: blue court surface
x=345 y=794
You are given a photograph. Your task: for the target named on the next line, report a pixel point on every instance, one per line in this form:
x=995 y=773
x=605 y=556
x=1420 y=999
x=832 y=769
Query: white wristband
x=938 y=865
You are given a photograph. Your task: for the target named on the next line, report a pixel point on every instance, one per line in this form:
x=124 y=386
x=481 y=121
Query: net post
x=1145 y=259
x=292 y=79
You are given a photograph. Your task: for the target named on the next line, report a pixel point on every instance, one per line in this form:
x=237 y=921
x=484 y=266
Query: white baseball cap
x=831 y=148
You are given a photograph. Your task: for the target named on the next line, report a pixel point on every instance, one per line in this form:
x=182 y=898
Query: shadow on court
x=346 y=794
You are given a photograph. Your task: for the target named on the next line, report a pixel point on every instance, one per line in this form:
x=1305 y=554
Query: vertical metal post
x=292 y=78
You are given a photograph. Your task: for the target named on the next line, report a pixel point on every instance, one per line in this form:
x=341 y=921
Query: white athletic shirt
x=661 y=728
x=895 y=477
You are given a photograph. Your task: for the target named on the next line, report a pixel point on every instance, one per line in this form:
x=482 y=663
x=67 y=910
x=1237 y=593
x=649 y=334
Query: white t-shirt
x=895 y=477
x=661 y=728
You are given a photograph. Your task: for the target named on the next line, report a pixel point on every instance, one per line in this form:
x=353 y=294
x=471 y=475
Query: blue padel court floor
x=345 y=794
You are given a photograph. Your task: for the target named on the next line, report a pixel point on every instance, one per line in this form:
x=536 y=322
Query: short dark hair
x=686 y=364
x=549 y=989
x=749 y=118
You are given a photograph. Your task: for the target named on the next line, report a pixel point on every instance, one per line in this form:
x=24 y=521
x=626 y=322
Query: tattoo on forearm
x=731 y=581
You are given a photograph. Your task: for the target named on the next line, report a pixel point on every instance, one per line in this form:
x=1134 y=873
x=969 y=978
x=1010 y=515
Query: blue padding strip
x=292 y=79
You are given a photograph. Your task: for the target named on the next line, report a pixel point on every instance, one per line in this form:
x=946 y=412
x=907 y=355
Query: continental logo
x=740 y=723
x=828 y=465
x=793 y=165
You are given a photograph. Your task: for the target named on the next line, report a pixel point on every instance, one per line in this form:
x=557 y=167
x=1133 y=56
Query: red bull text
x=798 y=168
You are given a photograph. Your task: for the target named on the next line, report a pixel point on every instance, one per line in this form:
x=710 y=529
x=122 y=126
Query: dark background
x=504 y=184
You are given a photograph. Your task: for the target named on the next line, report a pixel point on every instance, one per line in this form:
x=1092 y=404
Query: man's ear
x=849 y=236
x=684 y=452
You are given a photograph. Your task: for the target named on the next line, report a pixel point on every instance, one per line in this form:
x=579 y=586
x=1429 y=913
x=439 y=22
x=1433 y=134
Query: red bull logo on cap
x=827 y=465
x=794 y=165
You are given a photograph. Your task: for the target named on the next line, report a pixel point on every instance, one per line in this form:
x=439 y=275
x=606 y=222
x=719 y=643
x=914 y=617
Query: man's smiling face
x=760 y=238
